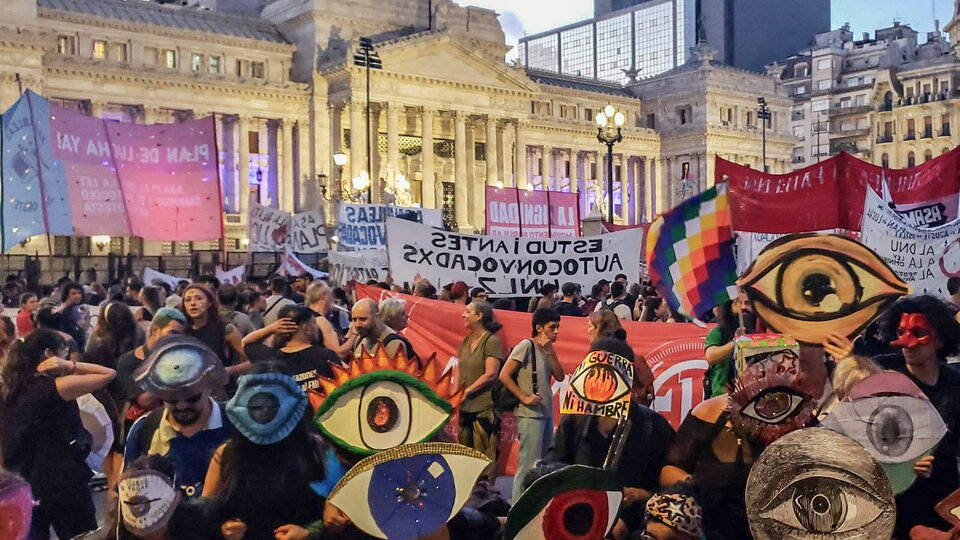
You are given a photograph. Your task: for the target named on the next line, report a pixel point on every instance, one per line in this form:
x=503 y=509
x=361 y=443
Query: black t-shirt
x=915 y=506
x=43 y=438
x=303 y=365
x=569 y=309
x=123 y=386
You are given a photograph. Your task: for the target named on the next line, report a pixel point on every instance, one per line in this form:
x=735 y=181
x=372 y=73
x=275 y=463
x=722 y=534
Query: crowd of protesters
x=73 y=340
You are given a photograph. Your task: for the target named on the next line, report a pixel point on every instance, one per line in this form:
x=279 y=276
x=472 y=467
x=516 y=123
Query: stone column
x=491 y=150
x=545 y=154
x=286 y=182
x=273 y=179
x=474 y=188
x=376 y=171
x=150 y=114
x=428 y=185
x=663 y=187
x=309 y=189
x=96 y=108
x=574 y=171
x=393 y=145
x=337 y=174
x=243 y=124
x=624 y=191
x=520 y=156
x=228 y=182
x=461 y=192
x=501 y=163
x=357 y=161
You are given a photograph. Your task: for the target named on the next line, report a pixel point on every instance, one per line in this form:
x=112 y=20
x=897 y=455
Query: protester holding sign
x=534 y=362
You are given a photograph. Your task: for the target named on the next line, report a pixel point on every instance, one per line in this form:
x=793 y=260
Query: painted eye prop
x=807 y=286
x=828 y=486
x=409 y=491
x=180 y=366
x=895 y=423
x=600 y=386
x=574 y=503
x=763 y=408
x=266 y=407
x=381 y=402
x=148 y=500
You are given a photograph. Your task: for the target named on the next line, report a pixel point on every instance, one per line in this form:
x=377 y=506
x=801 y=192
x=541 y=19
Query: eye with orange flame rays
x=391 y=400
x=807 y=286
x=600 y=386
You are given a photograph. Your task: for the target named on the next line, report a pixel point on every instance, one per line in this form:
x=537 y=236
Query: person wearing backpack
x=526 y=375
x=480 y=354
x=617 y=303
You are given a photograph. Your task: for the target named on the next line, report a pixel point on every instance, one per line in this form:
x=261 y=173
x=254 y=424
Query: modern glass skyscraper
x=653 y=36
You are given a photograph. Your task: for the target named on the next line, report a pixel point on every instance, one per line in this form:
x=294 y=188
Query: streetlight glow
x=609 y=110
x=601 y=119
x=340 y=159
x=619 y=119
x=361 y=182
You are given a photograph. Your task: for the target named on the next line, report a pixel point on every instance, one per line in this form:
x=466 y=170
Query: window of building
x=911 y=129
x=151 y=56
x=911 y=160
x=258 y=70
x=685 y=114
x=885 y=161
x=844 y=102
x=214 y=64
x=798 y=132
x=100 y=49
x=750 y=119
x=824 y=84
x=853 y=81
x=945 y=125
x=243 y=68
x=861 y=100
x=652 y=121
x=800 y=70
x=170 y=59
x=800 y=90
x=824 y=64
x=66 y=45
x=588 y=114
x=120 y=52
x=868 y=79
x=927 y=127
x=196 y=62
x=820 y=106
x=927 y=156
x=576 y=51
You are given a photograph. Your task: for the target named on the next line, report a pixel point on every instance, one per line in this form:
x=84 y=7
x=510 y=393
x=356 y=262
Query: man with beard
x=371 y=330
x=191 y=425
x=925 y=330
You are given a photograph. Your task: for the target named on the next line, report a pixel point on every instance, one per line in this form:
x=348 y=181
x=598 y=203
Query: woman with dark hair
x=259 y=480
x=720 y=344
x=41 y=435
x=28 y=306
x=480 y=354
x=202 y=311
x=605 y=324
x=926 y=332
x=150 y=297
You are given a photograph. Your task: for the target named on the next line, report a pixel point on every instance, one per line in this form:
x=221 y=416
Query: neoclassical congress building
x=449 y=113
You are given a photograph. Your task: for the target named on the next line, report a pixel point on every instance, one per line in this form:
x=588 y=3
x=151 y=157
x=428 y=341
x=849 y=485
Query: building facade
x=448 y=116
x=628 y=39
x=887 y=99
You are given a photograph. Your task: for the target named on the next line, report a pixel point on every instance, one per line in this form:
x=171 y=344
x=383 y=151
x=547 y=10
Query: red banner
x=674 y=352
x=532 y=214
x=830 y=194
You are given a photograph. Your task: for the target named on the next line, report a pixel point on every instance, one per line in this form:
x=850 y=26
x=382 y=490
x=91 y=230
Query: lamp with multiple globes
x=339 y=159
x=609 y=125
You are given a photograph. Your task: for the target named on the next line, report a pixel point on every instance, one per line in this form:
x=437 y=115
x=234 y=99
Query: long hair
x=151 y=298
x=939 y=314
x=270 y=479
x=116 y=329
x=727 y=321
x=608 y=325
x=213 y=306
x=652 y=304
x=24 y=357
x=485 y=310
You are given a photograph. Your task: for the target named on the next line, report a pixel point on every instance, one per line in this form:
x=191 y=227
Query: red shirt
x=24 y=323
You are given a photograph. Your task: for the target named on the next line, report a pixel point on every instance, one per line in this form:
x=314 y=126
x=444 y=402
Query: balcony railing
x=799 y=159
x=945 y=131
x=911 y=136
x=927 y=133
x=885 y=138
x=858 y=109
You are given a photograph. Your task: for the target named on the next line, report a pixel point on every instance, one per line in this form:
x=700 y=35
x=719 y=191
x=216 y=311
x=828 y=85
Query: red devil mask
x=914 y=330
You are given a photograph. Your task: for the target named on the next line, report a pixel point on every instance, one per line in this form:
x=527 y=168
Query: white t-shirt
x=274 y=304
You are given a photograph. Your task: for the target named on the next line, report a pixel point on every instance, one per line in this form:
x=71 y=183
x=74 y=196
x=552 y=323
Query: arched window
x=927 y=156
x=944 y=151
x=888 y=101
x=885 y=161
x=911 y=159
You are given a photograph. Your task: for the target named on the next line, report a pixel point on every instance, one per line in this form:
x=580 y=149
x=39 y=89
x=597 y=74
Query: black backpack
x=503 y=399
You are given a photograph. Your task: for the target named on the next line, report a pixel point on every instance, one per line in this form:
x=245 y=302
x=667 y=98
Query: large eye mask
x=574 y=503
x=267 y=407
x=600 y=386
x=816 y=484
x=180 y=366
x=410 y=491
x=808 y=286
x=892 y=419
x=765 y=407
x=380 y=403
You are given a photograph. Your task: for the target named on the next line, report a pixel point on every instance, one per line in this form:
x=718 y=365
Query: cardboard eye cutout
x=815 y=484
x=765 y=407
x=949 y=509
x=409 y=491
x=380 y=402
x=148 y=500
x=761 y=353
x=179 y=367
x=893 y=420
x=600 y=386
x=266 y=407
x=16 y=506
x=574 y=503
x=808 y=286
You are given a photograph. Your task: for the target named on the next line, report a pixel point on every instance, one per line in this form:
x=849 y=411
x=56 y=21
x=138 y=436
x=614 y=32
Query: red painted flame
x=599 y=385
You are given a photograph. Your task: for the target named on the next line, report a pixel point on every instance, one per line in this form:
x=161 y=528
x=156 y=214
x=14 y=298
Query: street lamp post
x=764 y=115
x=609 y=124
x=339 y=159
x=368 y=58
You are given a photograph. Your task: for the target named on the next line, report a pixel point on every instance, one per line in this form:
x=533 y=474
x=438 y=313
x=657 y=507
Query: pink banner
x=532 y=214
x=170 y=180
x=82 y=149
